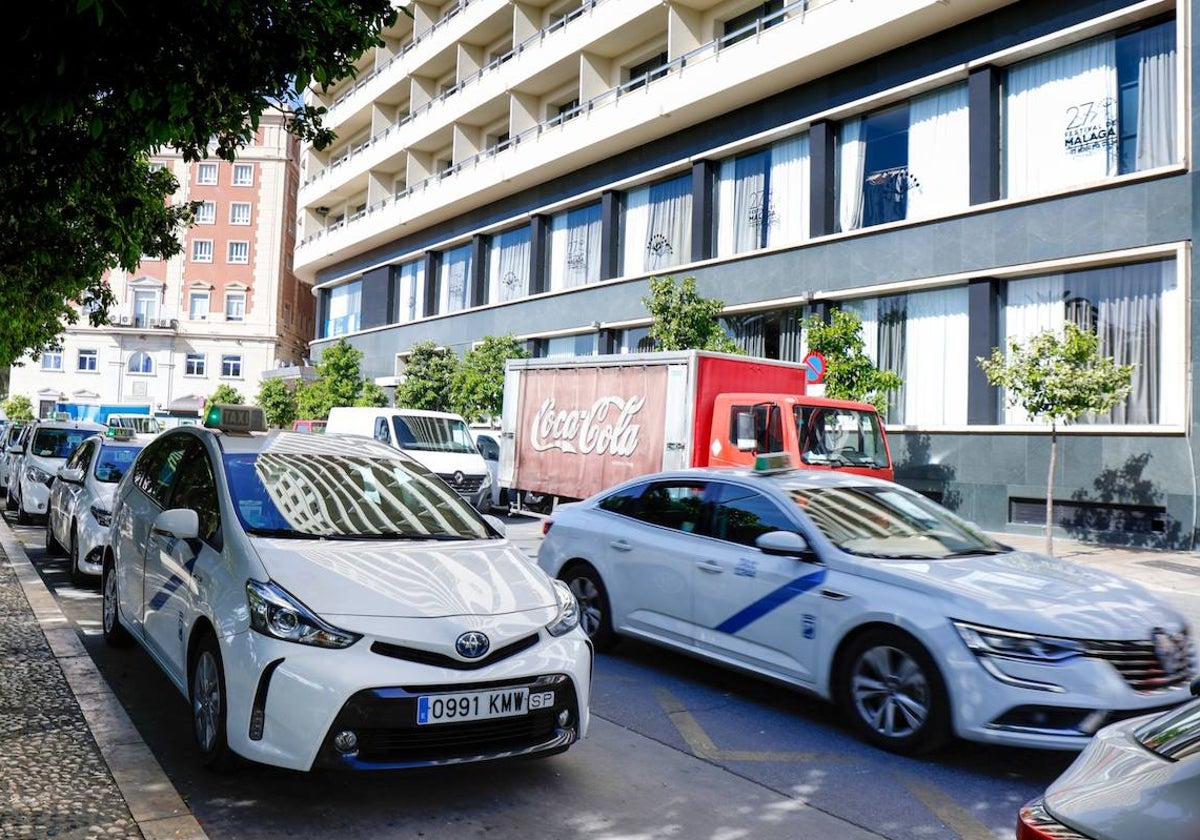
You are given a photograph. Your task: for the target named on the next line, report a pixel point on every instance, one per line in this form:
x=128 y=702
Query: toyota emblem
x=458 y=478
x=472 y=644
x=1169 y=650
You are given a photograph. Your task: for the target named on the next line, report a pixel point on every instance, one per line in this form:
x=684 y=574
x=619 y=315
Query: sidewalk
x=72 y=765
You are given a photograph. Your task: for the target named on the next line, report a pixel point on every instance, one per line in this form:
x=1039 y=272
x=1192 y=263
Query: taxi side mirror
x=180 y=523
x=70 y=476
x=784 y=544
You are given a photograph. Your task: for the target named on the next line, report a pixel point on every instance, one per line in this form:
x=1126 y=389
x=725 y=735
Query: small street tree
x=428 y=377
x=1057 y=379
x=849 y=372
x=371 y=395
x=225 y=394
x=683 y=320
x=339 y=382
x=477 y=388
x=18 y=407
x=278 y=402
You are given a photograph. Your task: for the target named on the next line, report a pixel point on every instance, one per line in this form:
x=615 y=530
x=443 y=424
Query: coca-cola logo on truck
x=606 y=427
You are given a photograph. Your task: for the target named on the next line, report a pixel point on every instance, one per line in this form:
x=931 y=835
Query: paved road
x=678 y=749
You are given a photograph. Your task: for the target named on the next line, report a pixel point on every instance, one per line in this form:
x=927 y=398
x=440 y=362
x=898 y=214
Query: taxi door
x=64 y=495
x=754 y=609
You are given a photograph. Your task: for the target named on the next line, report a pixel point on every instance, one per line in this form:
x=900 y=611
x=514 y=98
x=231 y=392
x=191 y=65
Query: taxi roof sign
x=773 y=462
x=236 y=418
x=118 y=433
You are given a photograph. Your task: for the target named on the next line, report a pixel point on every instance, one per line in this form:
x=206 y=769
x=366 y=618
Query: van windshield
x=433 y=434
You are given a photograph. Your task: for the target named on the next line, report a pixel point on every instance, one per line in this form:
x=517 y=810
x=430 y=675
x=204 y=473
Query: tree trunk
x=1050 y=491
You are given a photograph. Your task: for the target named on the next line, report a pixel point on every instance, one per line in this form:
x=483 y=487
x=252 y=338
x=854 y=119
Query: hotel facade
x=959 y=173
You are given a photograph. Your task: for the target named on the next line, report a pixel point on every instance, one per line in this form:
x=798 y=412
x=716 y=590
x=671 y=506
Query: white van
x=438 y=439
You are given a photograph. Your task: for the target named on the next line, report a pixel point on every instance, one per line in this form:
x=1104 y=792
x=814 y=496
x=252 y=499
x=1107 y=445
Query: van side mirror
x=785 y=544
x=744 y=433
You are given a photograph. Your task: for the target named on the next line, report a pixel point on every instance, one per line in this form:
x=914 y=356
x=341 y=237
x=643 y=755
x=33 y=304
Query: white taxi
x=916 y=624
x=79 y=513
x=47 y=445
x=326 y=601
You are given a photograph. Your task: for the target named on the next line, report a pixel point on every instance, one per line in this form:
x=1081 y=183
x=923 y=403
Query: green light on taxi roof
x=213 y=418
x=773 y=461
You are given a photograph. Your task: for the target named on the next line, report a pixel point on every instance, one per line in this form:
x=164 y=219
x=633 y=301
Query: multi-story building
x=960 y=173
x=225 y=310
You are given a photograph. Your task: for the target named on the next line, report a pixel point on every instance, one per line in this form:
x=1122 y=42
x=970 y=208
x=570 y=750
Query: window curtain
x=936 y=357
x=791 y=336
x=852 y=158
x=345 y=307
x=1157 y=96
x=658 y=226
x=741 y=185
x=509 y=262
x=1060 y=119
x=455 y=279
x=575 y=247
x=892 y=336
x=938 y=153
x=789 y=187
x=412 y=285
x=748 y=332
x=633 y=232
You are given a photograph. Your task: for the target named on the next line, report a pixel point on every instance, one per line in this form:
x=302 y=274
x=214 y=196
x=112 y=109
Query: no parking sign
x=814 y=368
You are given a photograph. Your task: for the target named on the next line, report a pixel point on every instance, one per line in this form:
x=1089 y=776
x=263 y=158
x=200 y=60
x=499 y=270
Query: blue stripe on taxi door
x=771 y=601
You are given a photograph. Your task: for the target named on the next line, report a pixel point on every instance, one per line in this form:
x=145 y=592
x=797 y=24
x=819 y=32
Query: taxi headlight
x=38 y=475
x=103 y=516
x=275 y=613
x=568 y=611
x=1009 y=644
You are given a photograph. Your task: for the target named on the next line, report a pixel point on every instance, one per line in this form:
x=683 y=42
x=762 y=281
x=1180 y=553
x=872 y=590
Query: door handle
x=620 y=545
x=710 y=566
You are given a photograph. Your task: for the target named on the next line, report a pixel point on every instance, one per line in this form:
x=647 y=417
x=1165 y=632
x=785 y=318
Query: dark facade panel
x=378 y=298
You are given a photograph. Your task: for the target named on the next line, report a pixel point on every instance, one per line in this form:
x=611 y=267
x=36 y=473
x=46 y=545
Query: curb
x=153 y=802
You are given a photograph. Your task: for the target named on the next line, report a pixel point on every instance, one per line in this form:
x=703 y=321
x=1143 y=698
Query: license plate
x=474 y=705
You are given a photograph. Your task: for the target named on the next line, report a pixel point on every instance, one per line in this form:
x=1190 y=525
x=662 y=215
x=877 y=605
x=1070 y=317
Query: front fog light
x=564 y=717
x=345 y=742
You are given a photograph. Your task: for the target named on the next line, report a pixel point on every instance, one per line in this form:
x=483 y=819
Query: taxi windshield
x=113 y=462
x=308 y=495
x=890 y=522
x=57 y=443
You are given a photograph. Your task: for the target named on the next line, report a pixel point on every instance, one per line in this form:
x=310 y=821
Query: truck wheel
x=595 y=613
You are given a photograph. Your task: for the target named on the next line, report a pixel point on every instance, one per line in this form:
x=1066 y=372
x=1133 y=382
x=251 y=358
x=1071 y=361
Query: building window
x=1091 y=111
x=141 y=362
x=88 y=360
x=1130 y=308
x=145 y=307
x=206 y=213
x=762 y=198
x=569 y=346
x=235 y=306
x=636 y=340
x=239 y=213
x=748 y=23
x=508 y=265
x=194 y=364
x=908 y=161
x=454 y=281
x=231 y=366
x=657 y=229
x=922 y=336
x=202 y=250
x=52 y=360
x=243 y=174
x=345 y=305
x=566 y=110
x=206 y=173
x=198 y=306
x=239 y=252
x=575 y=247
x=643 y=72
x=772 y=334
x=411 y=285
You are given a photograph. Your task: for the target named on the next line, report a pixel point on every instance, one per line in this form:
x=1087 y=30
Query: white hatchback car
x=327 y=601
x=80 y=509
x=870 y=595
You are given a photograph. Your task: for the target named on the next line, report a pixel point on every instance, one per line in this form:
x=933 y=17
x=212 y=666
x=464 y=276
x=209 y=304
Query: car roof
x=287 y=441
x=781 y=479
x=85 y=425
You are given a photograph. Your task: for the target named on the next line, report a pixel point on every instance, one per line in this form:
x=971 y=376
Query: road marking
x=955 y=817
x=702 y=746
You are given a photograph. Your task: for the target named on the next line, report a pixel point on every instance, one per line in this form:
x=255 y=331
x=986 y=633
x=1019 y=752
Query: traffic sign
x=814 y=368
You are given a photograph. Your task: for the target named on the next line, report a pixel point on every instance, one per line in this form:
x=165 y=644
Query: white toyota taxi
x=868 y=594
x=326 y=601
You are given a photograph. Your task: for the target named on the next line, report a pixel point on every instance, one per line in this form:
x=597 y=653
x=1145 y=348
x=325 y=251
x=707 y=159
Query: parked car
x=80 y=509
x=10 y=452
x=489 y=448
x=910 y=619
x=312 y=427
x=46 y=447
x=1137 y=780
x=327 y=601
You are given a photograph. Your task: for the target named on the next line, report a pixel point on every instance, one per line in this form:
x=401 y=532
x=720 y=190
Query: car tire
x=893 y=694
x=115 y=634
x=206 y=679
x=53 y=547
x=78 y=578
x=595 y=614
x=10 y=501
x=23 y=518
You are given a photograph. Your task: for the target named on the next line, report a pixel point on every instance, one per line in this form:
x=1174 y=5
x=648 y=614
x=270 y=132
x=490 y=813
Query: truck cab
x=817 y=433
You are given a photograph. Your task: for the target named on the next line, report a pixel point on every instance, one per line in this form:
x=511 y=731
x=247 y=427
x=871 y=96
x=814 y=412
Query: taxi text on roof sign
x=118 y=433
x=236 y=418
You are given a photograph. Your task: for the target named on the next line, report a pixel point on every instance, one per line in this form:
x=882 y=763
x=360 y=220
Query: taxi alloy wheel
x=894 y=694
x=594 y=613
x=209 y=706
x=115 y=633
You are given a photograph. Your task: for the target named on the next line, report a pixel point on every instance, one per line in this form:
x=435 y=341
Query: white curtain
x=1034 y=305
x=1157 y=97
x=575 y=247
x=852 y=158
x=938 y=153
x=741 y=202
x=633 y=233
x=509 y=264
x=936 y=358
x=867 y=310
x=455 y=279
x=669 y=224
x=412 y=290
x=789 y=191
x=1061 y=119
x=1130 y=329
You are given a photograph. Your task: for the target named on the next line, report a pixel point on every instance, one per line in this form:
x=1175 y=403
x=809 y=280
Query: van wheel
x=595 y=615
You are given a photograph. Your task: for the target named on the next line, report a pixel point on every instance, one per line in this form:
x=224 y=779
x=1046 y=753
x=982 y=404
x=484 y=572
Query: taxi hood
x=411 y=579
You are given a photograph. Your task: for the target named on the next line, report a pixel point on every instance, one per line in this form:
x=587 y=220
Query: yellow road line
x=956 y=818
x=702 y=746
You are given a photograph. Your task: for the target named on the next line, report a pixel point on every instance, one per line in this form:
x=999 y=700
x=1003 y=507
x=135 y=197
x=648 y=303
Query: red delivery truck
x=572 y=427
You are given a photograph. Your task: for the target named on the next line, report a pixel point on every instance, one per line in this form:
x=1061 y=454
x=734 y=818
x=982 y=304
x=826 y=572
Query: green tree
x=1057 y=379
x=683 y=320
x=225 y=394
x=278 y=402
x=427 y=377
x=849 y=372
x=18 y=407
x=313 y=401
x=340 y=371
x=477 y=388
x=371 y=395
x=96 y=86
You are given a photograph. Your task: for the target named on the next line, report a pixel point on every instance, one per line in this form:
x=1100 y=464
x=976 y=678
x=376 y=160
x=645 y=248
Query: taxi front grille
x=465 y=486
x=441 y=660
x=1143 y=666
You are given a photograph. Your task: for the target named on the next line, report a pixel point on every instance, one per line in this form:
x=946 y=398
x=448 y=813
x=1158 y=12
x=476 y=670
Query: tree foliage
x=278 y=402
x=18 y=407
x=428 y=377
x=849 y=372
x=339 y=382
x=1057 y=379
x=371 y=395
x=683 y=320
x=95 y=86
x=225 y=394
x=477 y=388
